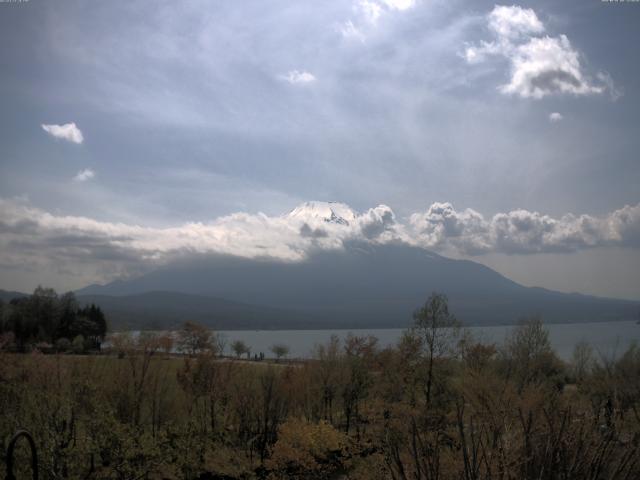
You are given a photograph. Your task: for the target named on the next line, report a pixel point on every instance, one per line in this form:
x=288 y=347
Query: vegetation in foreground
x=439 y=405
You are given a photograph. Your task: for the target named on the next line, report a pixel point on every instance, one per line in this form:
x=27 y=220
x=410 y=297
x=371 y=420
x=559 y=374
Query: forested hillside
x=50 y=322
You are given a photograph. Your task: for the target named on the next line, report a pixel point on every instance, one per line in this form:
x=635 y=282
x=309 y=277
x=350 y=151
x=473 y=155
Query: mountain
x=327 y=212
x=165 y=310
x=7 y=296
x=363 y=285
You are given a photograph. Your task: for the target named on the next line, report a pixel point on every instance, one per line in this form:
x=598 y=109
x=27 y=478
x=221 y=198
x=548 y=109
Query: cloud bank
x=33 y=237
x=540 y=65
x=69 y=132
x=524 y=232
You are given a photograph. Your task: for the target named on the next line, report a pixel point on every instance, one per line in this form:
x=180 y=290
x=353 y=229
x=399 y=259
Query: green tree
x=68 y=311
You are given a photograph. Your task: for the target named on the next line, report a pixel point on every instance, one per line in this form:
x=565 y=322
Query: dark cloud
x=308 y=232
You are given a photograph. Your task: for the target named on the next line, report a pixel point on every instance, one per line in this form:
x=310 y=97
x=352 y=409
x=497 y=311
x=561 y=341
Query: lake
x=607 y=338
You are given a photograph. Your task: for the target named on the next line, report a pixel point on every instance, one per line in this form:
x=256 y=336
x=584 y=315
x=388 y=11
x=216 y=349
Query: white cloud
x=614 y=91
x=441 y=227
x=555 y=117
x=479 y=53
x=399 y=4
x=545 y=66
x=539 y=65
x=371 y=10
x=368 y=13
x=296 y=77
x=69 y=132
x=514 y=21
x=32 y=236
x=522 y=231
x=84 y=175
x=349 y=30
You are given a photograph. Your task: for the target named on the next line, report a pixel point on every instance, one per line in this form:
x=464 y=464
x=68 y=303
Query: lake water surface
x=609 y=339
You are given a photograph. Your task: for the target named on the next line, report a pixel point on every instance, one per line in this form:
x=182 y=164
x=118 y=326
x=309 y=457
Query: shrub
x=63 y=345
x=78 y=344
x=307 y=450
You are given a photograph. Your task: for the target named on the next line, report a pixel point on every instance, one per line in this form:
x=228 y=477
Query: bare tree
x=582 y=360
x=328 y=373
x=528 y=353
x=438 y=330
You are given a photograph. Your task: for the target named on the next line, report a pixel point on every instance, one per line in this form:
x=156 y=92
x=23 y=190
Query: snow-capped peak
x=329 y=212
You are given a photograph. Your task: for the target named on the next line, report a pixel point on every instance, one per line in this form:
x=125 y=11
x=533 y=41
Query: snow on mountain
x=323 y=212
x=331 y=223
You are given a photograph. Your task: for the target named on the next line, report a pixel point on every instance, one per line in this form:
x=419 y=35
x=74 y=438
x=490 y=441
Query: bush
x=307 y=450
x=78 y=344
x=44 y=347
x=63 y=345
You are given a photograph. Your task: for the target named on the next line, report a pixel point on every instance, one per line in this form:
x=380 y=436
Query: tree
x=437 y=329
x=239 y=348
x=166 y=343
x=122 y=343
x=582 y=360
x=280 y=350
x=307 y=450
x=46 y=317
x=63 y=345
x=359 y=353
x=528 y=353
x=328 y=373
x=146 y=346
x=194 y=338
x=42 y=309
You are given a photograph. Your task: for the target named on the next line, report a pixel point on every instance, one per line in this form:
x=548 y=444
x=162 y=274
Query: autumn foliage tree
x=194 y=338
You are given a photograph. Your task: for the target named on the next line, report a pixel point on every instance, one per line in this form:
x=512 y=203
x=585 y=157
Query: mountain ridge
x=367 y=285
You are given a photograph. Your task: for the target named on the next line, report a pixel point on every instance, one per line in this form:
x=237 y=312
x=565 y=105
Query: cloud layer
x=69 y=132
x=539 y=65
x=524 y=232
x=31 y=236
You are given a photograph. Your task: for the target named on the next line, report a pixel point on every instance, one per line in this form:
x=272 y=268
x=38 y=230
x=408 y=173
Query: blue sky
x=456 y=116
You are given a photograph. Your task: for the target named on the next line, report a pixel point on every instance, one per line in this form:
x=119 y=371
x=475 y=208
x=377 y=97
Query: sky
x=133 y=132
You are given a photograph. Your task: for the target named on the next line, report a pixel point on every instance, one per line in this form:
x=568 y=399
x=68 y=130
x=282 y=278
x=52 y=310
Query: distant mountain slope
x=363 y=285
x=7 y=295
x=166 y=310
